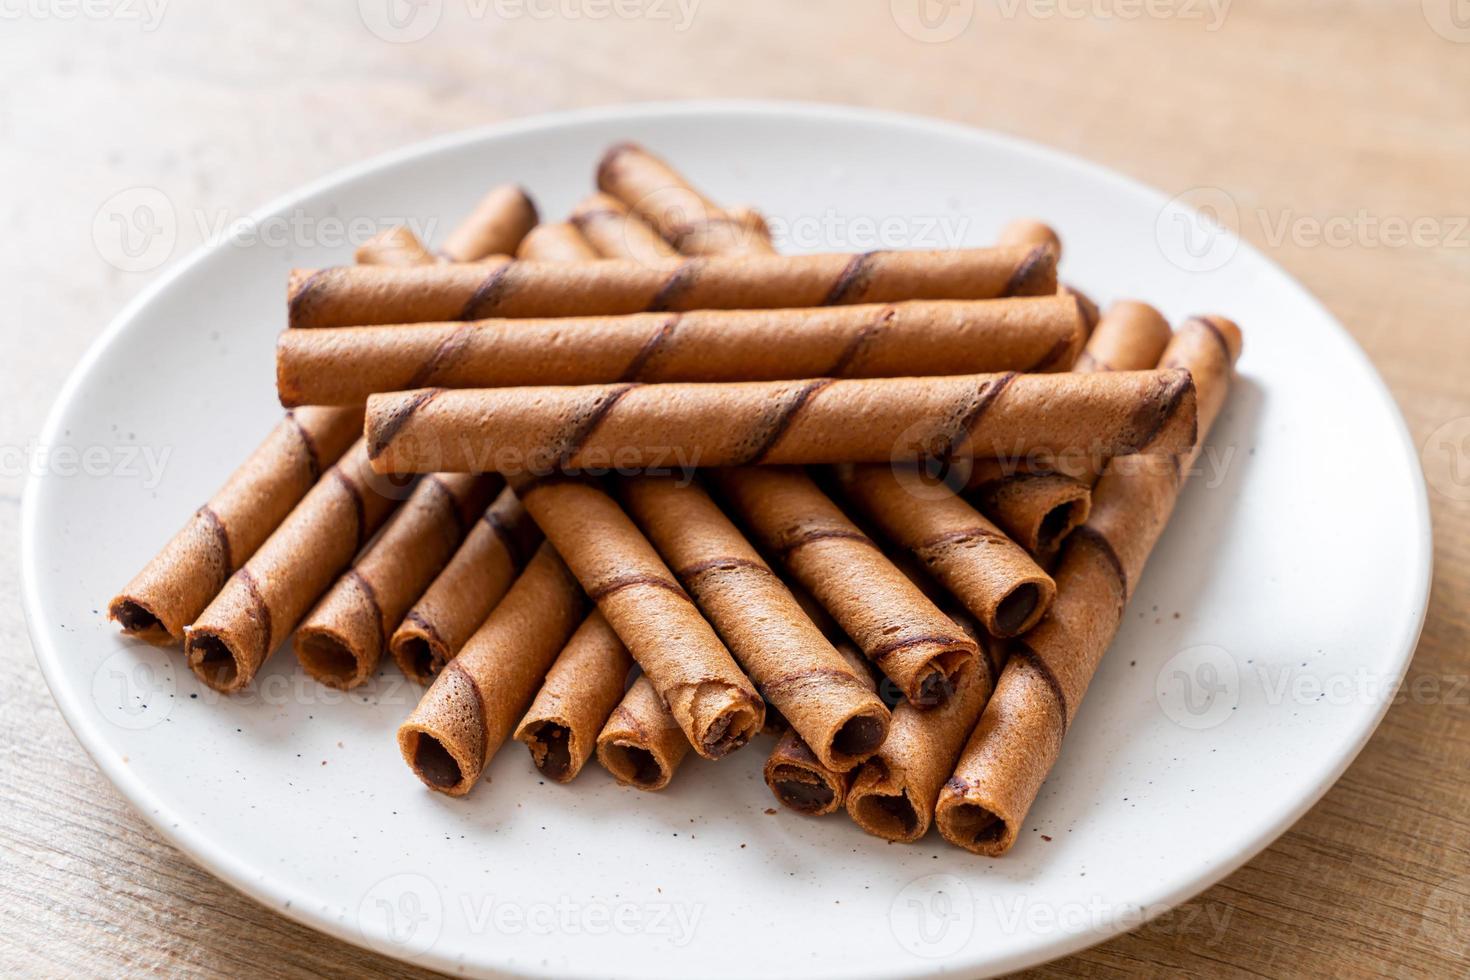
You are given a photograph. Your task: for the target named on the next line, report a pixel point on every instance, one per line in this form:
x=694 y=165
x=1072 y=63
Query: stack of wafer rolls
x=343 y=366
x=497 y=225
x=633 y=425
x=463 y=594
x=469 y=711
x=1020 y=734
x=342 y=640
x=350 y=296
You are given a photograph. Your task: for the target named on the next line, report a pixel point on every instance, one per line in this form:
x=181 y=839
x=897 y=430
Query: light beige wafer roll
x=470 y=709
x=894 y=624
x=178 y=583
x=343 y=366
x=394 y=246
x=660 y=195
x=1030 y=231
x=794 y=666
x=502 y=218
x=581 y=690
x=342 y=640
x=464 y=593
x=794 y=774
x=556 y=242
x=615 y=233
x=641 y=744
x=262 y=602
x=715 y=704
x=1020 y=734
x=367 y=295
x=985 y=570
x=779 y=422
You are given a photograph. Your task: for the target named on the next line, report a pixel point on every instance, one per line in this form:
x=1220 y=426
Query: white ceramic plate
x=1276 y=618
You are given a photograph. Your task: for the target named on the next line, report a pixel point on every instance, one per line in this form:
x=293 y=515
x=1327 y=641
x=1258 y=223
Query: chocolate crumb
x=770 y=812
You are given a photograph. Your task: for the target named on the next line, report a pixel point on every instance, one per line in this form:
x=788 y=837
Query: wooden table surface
x=1333 y=129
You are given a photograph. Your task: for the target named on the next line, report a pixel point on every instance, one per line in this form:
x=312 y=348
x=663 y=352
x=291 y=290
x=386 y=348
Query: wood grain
x=1301 y=113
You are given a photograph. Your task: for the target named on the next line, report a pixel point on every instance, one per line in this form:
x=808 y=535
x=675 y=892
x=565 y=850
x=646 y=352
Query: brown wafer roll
x=1040 y=506
x=262 y=602
x=894 y=624
x=581 y=690
x=464 y=593
x=470 y=709
x=557 y=242
x=343 y=366
x=715 y=704
x=793 y=665
x=395 y=246
x=342 y=640
x=632 y=425
x=687 y=219
x=178 y=583
x=892 y=794
x=496 y=226
x=365 y=295
x=985 y=570
x=1020 y=734
x=796 y=777
x=615 y=233
x=1031 y=232
x=641 y=744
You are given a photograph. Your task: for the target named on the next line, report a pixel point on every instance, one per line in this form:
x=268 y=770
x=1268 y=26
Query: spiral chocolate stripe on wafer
x=343 y=366
x=365 y=295
x=616 y=233
x=1020 y=734
x=793 y=665
x=464 y=593
x=715 y=704
x=261 y=603
x=558 y=242
x=496 y=227
x=894 y=624
x=468 y=712
x=641 y=744
x=781 y=422
x=342 y=640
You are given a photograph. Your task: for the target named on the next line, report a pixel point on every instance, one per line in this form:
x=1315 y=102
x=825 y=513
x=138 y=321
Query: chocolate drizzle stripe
x=430 y=631
x=262 y=610
x=487 y=293
x=507 y=539
x=222 y=538
x=474 y=687
x=824 y=534
x=1099 y=540
x=788 y=415
x=371 y=595
x=1019 y=279
x=888 y=649
x=357 y=503
x=1161 y=408
x=961 y=534
x=966 y=427
x=313 y=456
x=680 y=281
x=728 y=563
x=1023 y=651
x=853 y=281
x=629 y=581
x=860 y=341
x=449 y=498
x=651 y=347
x=383 y=434
x=445 y=354
x=1052 y=357
x=578 y=438
x=1214 y=331
x=297 y=304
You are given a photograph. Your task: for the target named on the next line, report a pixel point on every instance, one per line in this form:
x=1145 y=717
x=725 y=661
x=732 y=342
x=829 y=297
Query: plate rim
x=284 y=899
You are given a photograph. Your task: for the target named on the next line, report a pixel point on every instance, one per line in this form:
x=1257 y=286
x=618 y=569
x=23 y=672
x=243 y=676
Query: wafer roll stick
x=641 y=744
x=395 y=246
x=262 y=602
x=616 y=233
x=365 y=295
x=715 y=704
x=1031 y=232
x=342 y=640
x=469 y=587
x=558 y=242
x=343 y=366
x=496 y=226
x=687 y=219
x=793 y=665
x=985 y=570
x=894 y=624
x=1019 y=737
x=178 y=583
x=793 y=772
x=581 y=690
x=1038 y=506
x=468 y=712
x=892 y=794
x=779 y=422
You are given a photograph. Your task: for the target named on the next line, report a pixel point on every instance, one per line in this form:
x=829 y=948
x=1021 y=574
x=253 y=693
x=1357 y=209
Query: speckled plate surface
x=1264 y=644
